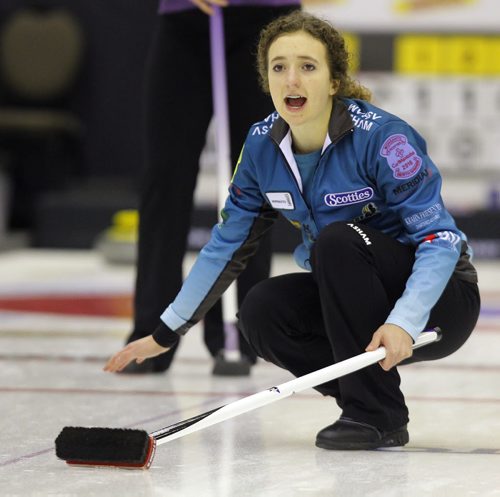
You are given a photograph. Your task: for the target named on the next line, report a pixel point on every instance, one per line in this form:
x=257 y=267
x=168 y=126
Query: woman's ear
x=334 y=86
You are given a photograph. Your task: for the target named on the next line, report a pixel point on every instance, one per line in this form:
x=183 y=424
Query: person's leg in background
x=178 y=110
x=247 y=105
x=161 y=255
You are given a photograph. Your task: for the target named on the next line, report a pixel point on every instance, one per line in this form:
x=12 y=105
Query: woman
x=386 y=259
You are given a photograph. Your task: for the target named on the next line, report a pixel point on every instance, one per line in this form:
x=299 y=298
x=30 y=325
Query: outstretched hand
x=397 y=342
x=206 y=5
x=139 y=350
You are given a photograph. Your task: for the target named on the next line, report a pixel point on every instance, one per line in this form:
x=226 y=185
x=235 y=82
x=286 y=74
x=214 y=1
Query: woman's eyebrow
x=303 y=57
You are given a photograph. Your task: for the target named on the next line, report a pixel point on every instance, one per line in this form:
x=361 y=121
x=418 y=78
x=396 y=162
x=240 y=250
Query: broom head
x=123 y=448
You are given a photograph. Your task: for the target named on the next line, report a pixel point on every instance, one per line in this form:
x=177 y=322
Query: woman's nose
x=293 y=80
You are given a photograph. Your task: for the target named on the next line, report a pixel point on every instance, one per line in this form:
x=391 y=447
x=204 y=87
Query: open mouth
x=295 y=101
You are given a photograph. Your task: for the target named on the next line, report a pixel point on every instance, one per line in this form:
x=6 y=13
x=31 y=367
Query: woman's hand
x=139 y=351
x=206 y=5
x=397 y=342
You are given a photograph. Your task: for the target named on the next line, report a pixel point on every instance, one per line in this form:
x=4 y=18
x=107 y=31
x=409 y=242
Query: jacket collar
x=340 y=123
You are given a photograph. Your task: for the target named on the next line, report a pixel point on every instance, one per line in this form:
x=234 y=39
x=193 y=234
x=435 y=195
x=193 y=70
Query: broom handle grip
x=349 y=366
x=284 y=390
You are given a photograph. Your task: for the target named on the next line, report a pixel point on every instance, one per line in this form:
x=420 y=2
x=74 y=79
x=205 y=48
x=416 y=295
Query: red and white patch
x=401 y=156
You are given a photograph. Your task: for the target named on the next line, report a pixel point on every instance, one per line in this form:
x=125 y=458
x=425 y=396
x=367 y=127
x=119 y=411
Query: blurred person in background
x=178 y=110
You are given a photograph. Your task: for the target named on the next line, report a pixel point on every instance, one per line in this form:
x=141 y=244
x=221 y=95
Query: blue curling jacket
x=374 y=170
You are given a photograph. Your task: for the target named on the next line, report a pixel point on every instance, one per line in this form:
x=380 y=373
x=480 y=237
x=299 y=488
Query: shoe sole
x=395 y=439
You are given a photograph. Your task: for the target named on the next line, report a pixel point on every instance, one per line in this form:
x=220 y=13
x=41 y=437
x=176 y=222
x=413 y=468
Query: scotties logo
x=348 y=198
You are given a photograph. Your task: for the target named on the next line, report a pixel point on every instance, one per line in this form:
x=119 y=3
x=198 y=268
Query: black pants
x=306 y=321
x=178 y=110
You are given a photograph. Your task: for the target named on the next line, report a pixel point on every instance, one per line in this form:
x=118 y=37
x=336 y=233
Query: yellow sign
x=353 y=47
x=494 y=56
x=417 y=54
x=447 y=55
x=330 y=2
x=408 y=6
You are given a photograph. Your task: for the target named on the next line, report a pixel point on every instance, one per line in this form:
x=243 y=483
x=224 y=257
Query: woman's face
x=299 y=80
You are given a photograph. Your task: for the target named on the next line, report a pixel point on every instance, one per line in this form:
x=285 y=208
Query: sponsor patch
x=281 y=200
x=361 y=233
x=412 y=183
x=401 y=157
x=348 y=198
x=363 y=120
x=263 y=129
x=424 y=218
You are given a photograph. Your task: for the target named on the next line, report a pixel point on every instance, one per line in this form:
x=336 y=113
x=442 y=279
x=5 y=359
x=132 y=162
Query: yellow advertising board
x=447 y=55
x=417 y=54
x=409 y=6
x=353 y=47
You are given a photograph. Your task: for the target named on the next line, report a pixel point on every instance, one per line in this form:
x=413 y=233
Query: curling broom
x=129 y=448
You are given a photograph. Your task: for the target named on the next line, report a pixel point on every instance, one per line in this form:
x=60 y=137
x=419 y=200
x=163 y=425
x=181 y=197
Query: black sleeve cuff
x=164 y=336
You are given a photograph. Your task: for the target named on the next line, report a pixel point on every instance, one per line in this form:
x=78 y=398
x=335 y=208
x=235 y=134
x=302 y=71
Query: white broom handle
x=284 y=390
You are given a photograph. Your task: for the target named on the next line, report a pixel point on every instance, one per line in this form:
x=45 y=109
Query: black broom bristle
x=105 y=447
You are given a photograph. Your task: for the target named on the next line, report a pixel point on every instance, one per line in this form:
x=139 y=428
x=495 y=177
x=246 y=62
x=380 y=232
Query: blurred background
x=71 y=76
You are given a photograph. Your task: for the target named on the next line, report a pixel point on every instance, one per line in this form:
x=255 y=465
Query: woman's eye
x=309 y=67
x=278 y=67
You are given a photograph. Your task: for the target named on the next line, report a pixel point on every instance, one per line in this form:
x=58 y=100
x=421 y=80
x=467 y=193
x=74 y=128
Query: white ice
x=50 y=377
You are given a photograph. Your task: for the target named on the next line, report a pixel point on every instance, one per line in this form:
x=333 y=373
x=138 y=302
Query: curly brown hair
x=323 y=31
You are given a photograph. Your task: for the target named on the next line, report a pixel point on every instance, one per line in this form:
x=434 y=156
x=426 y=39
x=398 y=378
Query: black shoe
x=226 y=367
x=347 y=434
